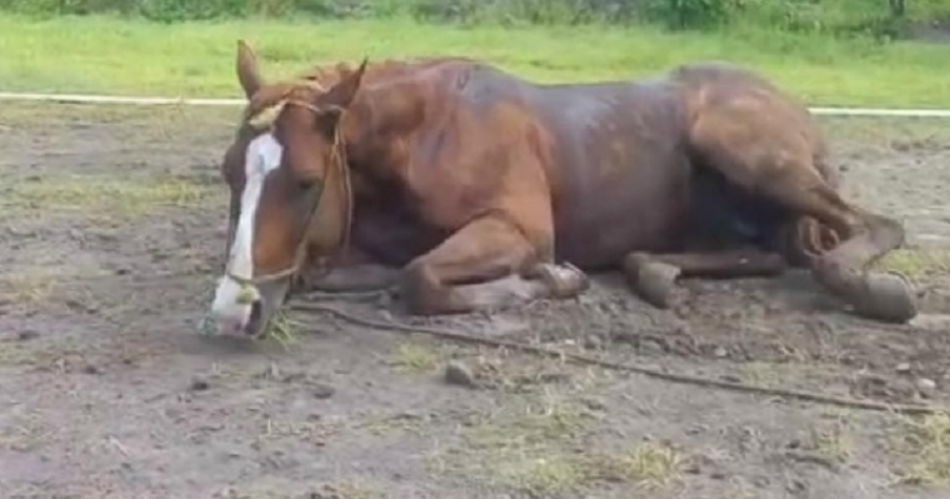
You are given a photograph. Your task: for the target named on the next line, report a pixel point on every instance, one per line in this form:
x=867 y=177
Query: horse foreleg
x=356 y=272
x=654 y=276
x=363 y=277
x=486 y=264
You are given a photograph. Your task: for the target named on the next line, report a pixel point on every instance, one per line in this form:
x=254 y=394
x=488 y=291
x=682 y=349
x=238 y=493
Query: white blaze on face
x=230 y=308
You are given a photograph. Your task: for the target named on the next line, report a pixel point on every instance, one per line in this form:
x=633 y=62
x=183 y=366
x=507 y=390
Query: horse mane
x=266 y=105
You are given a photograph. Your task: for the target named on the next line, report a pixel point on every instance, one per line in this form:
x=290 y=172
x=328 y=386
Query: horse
x=464 y=187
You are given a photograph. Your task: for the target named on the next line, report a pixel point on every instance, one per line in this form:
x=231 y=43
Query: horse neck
x=330 y=226
x=372 y=124
x=379 y=119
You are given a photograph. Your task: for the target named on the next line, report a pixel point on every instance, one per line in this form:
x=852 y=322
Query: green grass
x=931 y=263
x=105 y=194
x=111 y=55
x=415 y=358
x=924 y=447
x=533 y=448
x=545 y=446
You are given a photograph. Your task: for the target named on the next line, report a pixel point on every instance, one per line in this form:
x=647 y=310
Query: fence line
x=185 y=101
x=113 y=99
x=864 y=111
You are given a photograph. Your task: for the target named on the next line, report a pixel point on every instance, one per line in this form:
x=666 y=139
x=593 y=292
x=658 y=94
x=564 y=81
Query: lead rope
x=342 y=163
x=594 y=360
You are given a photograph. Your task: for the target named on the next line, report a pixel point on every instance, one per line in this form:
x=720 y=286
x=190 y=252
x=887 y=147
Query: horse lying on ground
x=470 y=188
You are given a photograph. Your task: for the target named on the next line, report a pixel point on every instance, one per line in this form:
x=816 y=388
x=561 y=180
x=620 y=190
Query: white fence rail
x=185 y=101
x=112 y=99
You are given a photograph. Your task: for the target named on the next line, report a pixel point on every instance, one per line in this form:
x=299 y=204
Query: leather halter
x=338 y=162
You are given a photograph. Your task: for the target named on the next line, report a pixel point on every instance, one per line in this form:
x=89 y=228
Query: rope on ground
x=617 y=366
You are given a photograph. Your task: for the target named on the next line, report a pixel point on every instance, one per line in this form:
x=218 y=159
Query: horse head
x=290 y=200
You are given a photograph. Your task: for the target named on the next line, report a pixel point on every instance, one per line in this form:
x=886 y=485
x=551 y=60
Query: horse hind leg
x=727 y=237
x=655 y=277
x=864 y=236
x=803 y=239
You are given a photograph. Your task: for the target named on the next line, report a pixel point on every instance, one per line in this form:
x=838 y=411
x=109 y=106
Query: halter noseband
x=339 y=162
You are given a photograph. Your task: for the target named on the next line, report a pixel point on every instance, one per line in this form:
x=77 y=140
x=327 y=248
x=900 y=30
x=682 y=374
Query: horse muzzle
x=243 y=310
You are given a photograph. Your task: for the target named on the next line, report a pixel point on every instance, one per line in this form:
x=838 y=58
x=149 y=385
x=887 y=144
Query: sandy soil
x=111 y=234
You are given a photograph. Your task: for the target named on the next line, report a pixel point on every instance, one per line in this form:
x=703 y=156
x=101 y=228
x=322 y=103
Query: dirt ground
x=112 y=231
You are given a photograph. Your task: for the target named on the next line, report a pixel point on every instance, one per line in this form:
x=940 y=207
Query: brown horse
x=470 y=188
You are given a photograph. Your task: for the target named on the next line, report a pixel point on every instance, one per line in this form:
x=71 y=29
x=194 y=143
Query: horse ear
x=342 y=94
x=247 y=71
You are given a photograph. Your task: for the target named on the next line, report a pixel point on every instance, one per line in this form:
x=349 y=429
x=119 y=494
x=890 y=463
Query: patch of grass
x=762 y=373
x=543 y=448
x=415 y=358
x=534 y=425
x=61 y=357
x=23 y=433
x=917 y=263
x=112 y=55
x=740 y=489
x=650 y=464
x=527 y=448
x=388 y=424
x=27 y=291
x=282 y=329
x=654 y=464
x=924 y=447
x=342 y=489
x=544 y=475
x=517 y=372
x=833 y=442
x=12 y=353
x=312 y=432
x=349 y=489
x=542 y=441
x=101 y=193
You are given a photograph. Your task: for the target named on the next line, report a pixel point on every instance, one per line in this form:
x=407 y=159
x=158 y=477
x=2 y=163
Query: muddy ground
x=112 y=230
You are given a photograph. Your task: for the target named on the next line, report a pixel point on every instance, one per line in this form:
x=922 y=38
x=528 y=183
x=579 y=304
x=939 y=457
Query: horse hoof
x=563 y=281
x=420 y=292
x=656 y=283
x=889 y=298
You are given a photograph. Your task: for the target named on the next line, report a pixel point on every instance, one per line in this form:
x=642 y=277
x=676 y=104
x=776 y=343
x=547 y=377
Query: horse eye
x=307 y=183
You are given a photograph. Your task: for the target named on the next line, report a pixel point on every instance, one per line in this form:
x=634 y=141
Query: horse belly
x=623 y=173
x=642 y=207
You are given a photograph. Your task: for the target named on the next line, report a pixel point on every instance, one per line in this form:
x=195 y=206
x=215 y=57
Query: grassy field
x=120 y=56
